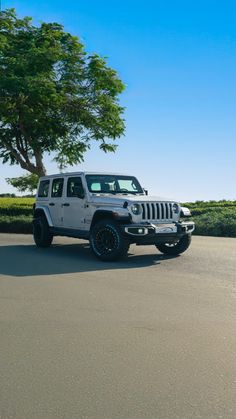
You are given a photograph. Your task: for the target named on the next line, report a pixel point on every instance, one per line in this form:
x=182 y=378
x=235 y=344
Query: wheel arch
x=109 y=214
x=101 y=215
x=43 y=211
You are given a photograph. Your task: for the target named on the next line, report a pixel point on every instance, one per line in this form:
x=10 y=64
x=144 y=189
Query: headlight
x=136 y=209
x=175 y=208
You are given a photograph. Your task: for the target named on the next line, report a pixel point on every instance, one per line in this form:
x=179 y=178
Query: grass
x=16 y=215
x=212 y=218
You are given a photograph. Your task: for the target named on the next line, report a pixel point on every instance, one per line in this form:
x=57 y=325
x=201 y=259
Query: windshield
x=113 y=184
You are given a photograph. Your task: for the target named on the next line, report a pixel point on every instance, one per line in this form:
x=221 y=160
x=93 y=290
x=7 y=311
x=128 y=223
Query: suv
x=111 y=211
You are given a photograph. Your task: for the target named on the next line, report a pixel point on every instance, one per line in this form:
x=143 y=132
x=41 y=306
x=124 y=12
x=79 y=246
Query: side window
x=74 y=187
x=43 y=188
x=57 y=188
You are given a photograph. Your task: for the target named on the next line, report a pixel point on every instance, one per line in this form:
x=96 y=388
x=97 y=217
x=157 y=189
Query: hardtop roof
x=84 y=173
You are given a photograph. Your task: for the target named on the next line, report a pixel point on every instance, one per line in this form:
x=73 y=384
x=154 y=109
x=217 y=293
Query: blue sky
x=178 y=61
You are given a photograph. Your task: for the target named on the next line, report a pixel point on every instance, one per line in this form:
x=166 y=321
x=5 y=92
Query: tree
x=24 y=183
x=54 y=97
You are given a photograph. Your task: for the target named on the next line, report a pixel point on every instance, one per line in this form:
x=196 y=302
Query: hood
x=118 y=200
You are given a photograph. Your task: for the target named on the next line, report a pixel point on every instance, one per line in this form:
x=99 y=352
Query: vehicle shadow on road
x=28 y=260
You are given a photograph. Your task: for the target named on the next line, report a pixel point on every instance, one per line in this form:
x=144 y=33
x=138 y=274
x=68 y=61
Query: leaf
x=54 y=96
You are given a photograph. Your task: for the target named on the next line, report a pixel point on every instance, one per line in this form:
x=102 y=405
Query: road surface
x=148 y=337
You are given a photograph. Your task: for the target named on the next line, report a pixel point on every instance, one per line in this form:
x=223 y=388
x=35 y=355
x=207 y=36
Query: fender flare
x=117 y=214
x=39 y=209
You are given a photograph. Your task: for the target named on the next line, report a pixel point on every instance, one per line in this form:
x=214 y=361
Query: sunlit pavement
x=147 y=337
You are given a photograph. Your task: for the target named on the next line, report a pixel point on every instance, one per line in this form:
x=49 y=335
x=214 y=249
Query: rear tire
x=107 y=241
x=42 y=235
x=175 y=248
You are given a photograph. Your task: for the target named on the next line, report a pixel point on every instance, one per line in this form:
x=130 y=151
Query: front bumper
x=157 y=233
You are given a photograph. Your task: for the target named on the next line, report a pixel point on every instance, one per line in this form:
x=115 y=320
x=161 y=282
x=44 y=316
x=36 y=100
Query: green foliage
x=7 y=195
x=13 y=207
x=16 y=215
x=54 y=97
x=214 y=218
x=217 y=220
x=209 y=204
x=19 y=224
x=222 y=223
x=24 y=183
x=16 y=202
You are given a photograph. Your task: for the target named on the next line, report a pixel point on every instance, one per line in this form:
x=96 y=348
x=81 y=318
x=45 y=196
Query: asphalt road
x=148 y=337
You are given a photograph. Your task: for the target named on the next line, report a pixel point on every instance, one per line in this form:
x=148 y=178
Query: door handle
x=66 y=204
x=51 y=204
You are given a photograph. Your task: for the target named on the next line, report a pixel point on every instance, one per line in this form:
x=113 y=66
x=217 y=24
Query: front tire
x=175 y=248
x=107 y=241
x=42 y=235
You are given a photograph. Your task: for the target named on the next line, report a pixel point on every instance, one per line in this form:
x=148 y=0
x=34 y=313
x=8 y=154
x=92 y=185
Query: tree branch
x=25 y=165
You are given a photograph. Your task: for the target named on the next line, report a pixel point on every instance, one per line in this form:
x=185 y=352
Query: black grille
x=157 y=211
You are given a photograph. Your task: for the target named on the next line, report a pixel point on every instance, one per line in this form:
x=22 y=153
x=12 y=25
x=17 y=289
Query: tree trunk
x=38 y=168
x=41 y=170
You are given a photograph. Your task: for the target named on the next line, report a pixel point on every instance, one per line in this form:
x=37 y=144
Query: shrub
x=212 y=218
x=16 y=215
x=20 y=224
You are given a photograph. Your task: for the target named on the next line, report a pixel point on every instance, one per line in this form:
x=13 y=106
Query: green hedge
x=18 y=224
x=212 y=218
x=213 y=223
x=16 y=215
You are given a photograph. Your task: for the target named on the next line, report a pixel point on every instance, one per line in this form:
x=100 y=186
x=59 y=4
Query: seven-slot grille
x=157 y=211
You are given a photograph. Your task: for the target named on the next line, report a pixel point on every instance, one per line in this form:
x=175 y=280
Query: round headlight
x=175 y=208
x=136 y=209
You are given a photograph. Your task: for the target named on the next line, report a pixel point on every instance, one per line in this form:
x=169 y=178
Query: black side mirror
x=145 y=191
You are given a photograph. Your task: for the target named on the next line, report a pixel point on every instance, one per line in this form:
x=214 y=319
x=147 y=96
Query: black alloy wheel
x=177 y=248
x=107 y=241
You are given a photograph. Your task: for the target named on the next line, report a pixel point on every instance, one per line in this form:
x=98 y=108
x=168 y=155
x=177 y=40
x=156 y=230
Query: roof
x=83 y=173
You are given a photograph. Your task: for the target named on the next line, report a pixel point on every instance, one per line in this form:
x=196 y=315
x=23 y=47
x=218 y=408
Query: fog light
x=140 y=231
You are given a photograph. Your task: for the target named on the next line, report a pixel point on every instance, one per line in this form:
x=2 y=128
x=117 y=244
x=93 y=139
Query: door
x=74 y=207
x=55 y=201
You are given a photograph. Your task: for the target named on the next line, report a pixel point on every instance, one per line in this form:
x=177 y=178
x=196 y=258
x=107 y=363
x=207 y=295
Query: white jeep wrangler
x=111 y=211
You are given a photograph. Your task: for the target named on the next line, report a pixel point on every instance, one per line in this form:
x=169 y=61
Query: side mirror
x=145 y=191
x=185 y=212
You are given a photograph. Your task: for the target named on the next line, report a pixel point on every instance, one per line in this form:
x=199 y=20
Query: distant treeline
x=13 y=195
